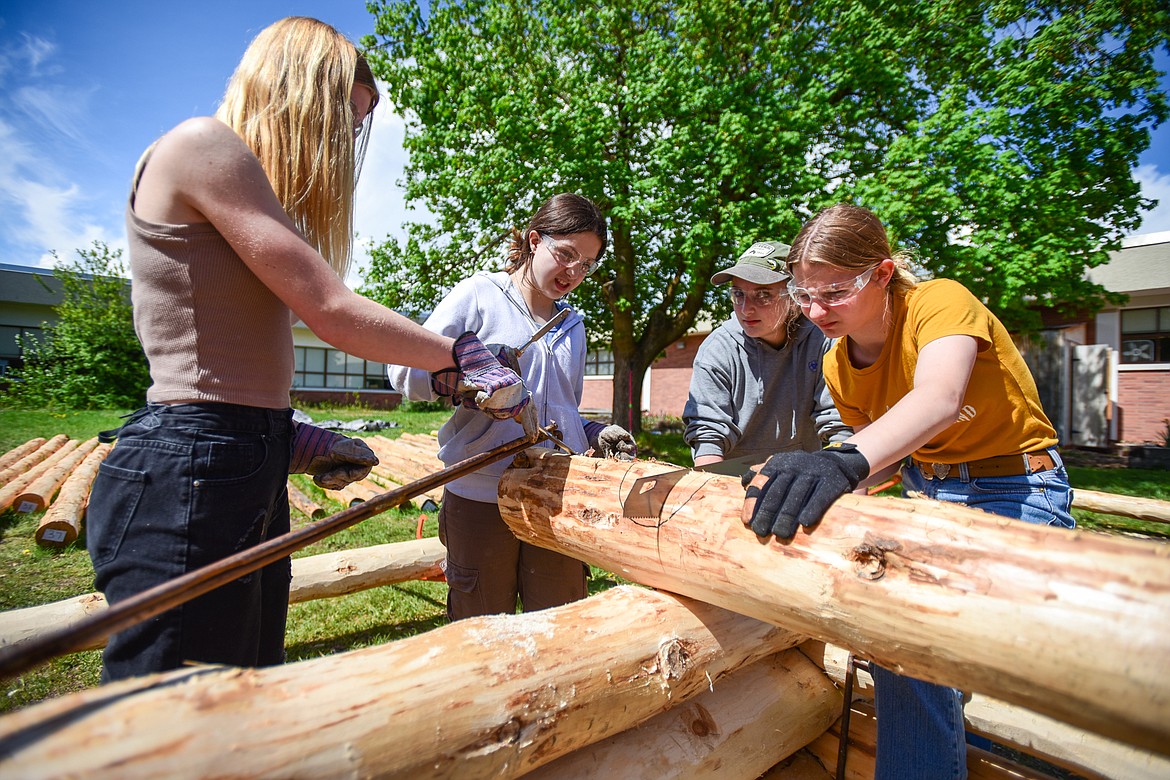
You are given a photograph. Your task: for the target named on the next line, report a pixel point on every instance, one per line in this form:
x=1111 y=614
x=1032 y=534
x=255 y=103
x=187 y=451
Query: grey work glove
x=614 y=441
x=332 y=459
x=797 y=488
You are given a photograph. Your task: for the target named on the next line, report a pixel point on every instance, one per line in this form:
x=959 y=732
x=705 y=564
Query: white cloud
x=42 y=211
x=45 y=206
x=1156 y=185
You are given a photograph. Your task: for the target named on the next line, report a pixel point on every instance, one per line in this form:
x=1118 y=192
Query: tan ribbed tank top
x=211 y=330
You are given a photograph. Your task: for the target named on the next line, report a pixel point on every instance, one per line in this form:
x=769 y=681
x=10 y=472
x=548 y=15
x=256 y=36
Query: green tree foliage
x=994 y=137
x=90 y=357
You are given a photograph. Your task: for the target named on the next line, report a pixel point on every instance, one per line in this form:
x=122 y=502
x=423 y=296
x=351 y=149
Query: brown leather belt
x=1003 y=466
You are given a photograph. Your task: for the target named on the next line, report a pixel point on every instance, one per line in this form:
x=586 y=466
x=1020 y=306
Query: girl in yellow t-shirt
x=921 y=372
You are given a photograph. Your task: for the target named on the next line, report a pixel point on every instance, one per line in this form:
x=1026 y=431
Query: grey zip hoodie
x=488 y=304
x=748 y=398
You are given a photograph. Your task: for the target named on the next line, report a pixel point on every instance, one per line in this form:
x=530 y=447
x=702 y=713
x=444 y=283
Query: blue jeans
x=188 y=485
x=920 y=732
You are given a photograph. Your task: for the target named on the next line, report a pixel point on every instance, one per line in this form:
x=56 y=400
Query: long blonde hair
x=851 y=237
x=289 y=99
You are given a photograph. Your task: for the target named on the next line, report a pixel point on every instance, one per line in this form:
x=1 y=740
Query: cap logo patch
x=762 y=250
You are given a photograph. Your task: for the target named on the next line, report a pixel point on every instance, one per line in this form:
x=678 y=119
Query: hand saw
x=649 y=494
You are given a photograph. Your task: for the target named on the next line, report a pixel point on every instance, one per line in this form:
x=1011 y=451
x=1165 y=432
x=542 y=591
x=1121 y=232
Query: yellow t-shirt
x=1001 y=413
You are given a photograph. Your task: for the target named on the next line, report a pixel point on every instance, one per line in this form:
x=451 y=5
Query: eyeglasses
x=830 y=294
x=567 y=257
x=759 y=298
x=359 y=126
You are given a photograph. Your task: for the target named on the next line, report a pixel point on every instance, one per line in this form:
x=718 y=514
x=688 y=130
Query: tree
x=996 y=138
x=90 y=358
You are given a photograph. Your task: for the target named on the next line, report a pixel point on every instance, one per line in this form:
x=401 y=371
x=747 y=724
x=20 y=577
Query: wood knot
x=672 y=659
x=522 y=460
x=869 y=558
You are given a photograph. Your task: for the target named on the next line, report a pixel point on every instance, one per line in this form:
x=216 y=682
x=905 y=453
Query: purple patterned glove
x=333 y=460
x=499 y=391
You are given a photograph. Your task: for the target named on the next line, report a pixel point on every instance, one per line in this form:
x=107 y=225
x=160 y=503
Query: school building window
x=1145 y=335
x=599 y=362
x=317 y=367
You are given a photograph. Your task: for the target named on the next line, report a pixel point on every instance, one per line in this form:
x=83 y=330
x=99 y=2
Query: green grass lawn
x=31 y=575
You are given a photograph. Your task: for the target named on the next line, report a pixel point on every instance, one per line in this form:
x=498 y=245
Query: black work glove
x=799 y=487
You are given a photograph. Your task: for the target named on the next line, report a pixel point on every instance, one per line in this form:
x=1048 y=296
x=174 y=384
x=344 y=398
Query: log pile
x=33 y=473
x=924 y=587
x=1059 y=634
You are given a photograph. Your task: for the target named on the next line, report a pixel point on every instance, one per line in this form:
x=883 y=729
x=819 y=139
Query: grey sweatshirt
x=748 y=398
x=553 y=370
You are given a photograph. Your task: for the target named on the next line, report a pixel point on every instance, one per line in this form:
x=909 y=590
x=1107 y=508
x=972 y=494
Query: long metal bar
x=16 y=659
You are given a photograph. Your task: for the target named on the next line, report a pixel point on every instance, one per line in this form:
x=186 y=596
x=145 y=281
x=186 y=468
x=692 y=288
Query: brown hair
x=289 y=99
x=852 y=237
x=560 y=215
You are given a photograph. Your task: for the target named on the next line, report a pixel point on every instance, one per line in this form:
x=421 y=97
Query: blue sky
x=86 y=86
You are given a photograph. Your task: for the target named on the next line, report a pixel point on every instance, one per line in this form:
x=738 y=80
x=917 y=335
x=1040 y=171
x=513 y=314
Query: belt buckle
x=941 y=470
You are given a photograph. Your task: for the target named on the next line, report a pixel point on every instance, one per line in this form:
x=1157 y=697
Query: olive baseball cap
x=762 y=263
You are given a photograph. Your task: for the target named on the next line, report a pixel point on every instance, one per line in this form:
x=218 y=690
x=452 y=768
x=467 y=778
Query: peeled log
x=313 y=577
x=738 y=729
x=490 y=697
x=862 y=753
x=303 y=504
x=33 y=458
x=1127 y=506
x=16 y=486
x=61 y=525
x=39 y=493
x=16 y=453
x=1085 y=753
x=1067 y=623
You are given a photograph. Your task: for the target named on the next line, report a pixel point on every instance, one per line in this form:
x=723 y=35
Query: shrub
x=90 y=358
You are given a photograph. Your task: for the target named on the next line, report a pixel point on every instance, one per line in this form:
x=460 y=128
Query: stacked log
x=16 y=453
x=940 y=592
x=16 y=486
x=30 y=460
x=313 y=577
x=38 y=494
x=61 y=525
x=1083 y=752
x=410 y=457
x=504 y=695
x=303 y=504
x=758 y=717
x=1066 y=623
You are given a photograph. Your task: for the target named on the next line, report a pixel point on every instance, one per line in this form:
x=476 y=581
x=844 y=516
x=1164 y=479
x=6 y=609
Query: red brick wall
x=670 y=382
x=1143 y=400
x=670 y=377
x=598 y=395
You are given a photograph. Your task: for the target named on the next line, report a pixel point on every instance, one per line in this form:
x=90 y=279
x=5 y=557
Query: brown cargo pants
x=488 y=568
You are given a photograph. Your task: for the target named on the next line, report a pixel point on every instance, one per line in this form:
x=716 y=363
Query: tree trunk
x=739 y=729
x=1067 y=623
x=61 y=525
x=1127 y=506
x=1089 y=755
x=314 y=577
x=39 y=493
x=30 y=460
x=17 y=453
x=490 y=697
